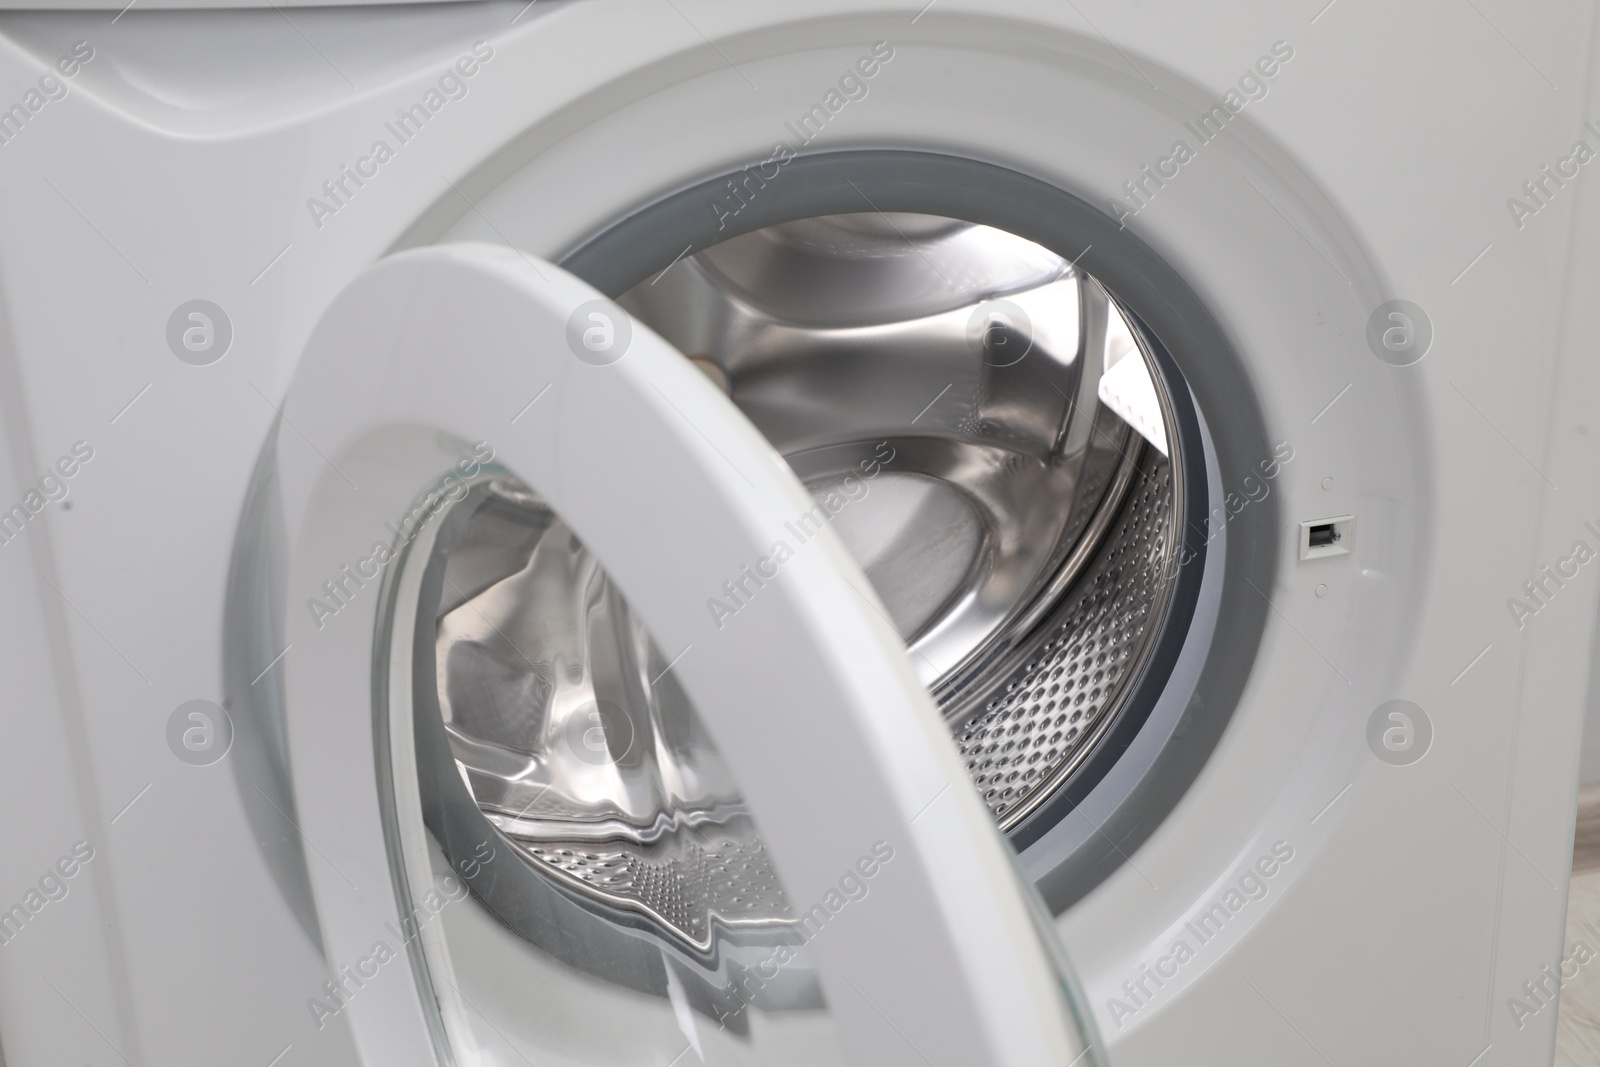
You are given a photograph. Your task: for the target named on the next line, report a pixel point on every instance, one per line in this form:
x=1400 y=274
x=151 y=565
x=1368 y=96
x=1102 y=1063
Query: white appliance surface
x=1372 y=910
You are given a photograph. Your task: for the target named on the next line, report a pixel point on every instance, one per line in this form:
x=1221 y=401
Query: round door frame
x=1180 y=706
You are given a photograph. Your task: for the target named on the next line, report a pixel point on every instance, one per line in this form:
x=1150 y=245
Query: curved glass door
x=613 y=824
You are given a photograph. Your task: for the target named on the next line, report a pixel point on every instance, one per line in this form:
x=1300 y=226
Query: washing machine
x=663 y=533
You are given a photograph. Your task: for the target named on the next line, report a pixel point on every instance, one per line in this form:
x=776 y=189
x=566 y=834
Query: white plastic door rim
x=433 y=354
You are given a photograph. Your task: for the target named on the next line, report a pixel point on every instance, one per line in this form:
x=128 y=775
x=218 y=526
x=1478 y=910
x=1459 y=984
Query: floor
x=1578 y=1025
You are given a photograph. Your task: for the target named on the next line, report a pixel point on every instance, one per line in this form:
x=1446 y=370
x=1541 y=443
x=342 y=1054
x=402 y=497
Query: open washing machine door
x=1245 y=858
x=594 y=872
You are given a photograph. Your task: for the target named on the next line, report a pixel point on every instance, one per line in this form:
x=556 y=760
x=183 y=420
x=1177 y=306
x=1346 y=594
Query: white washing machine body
x=1327 y=882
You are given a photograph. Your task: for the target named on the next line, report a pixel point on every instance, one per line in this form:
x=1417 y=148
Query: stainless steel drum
x=976 y=418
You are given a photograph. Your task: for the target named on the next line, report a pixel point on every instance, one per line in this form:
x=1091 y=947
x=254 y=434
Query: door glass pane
x=603 y=895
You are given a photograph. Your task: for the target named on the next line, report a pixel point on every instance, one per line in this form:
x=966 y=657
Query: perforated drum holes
x=684 y=880
x=1040 y=723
